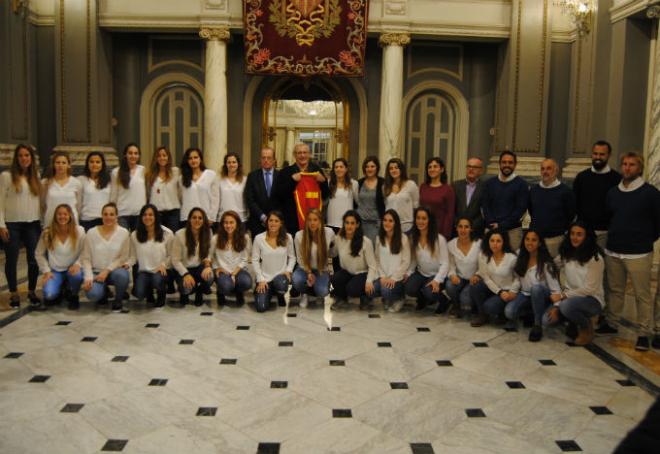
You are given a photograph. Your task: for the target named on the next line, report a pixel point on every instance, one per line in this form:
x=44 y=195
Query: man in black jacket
x=468 y=195
x=259 y=191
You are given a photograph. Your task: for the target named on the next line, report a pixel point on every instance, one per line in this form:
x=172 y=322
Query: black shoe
x=293 y=293
x=571 y=330
x=421 y=305
x=221 y=300
x=183 y=300
x=15 y=301
x=150 y=297
x=606 y=328
x=364 y=303
x=160 y=300
x=199 y=298
x=655 y=343
x=642 y=344
x=536 y=333
x=117 y=307
x=34 y=300
x=240 y=299
x=280 y=300
x=74 y=303
x=126 y=296
x=170 y=287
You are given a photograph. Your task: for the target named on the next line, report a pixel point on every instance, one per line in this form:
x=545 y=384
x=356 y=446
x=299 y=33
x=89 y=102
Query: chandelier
x=580 y=12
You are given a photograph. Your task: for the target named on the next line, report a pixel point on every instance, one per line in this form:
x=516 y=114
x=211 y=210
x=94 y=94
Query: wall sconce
x=580 y=12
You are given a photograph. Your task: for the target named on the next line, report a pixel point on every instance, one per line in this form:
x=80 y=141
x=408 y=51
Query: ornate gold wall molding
x=215 y=33
x=394 y=39
x=541 y=94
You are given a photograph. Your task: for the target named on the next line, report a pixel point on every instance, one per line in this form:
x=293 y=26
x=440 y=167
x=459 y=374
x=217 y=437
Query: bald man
x=551 y=206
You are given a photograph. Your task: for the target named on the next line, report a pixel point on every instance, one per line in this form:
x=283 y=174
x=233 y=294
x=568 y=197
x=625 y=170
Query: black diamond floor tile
x=228 y=361
x=626 y=382
x=334 y=328
x=547 y=362
x=374 y=315
x=480 y=344
x=268 y=448
x=152 y=325
x=114 y=445
x=601 y=410
x=88 y=339
x=342 y=413
x=398 y=385
x=158 y=382
x=120 y=359
x=285 y=344
x=568 y=445
x=423 y=329
x=475 y=413
x=444 y=363
x=72 y=408
x=279 y=384
x=13 y=355
x=242 y=328
x=206 y=314
x=39 y=379
x=337 y=362
x=207 y=411
x=385 y=344
x=187 y=341
x=63 y=323
x=515 y=385
x=421 y=448
x=292 y=315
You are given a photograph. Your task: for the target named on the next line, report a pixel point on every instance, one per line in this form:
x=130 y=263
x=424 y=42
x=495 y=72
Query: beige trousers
x=515 y=238
x=553 y=244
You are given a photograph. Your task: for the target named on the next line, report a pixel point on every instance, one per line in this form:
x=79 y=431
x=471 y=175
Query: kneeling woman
x=393 y=258
x=58 y=256
x=429 y=262
x=314 y=244
x=104 y=259
x=357 y=264
x=539 y=280
x=150 y=249
x=191 y=257
x=499 y=283
x=273 y=259
x=463 y=264
x=583 y=296
x=230 y=258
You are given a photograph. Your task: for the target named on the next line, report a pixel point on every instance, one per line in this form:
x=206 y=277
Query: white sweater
x=584 y=280
x=181 y=261
x=92 y=199
x=22 y=206
x=99 y=254
x=62 y=256
x=530 y=279
x=56 y=194
x=129 y=201
x=228 y=259
x=151 y=254
x=165 y=195
x=393 y=266
x=329 y=242
x=365 y=262
x=268 y=262
x=499 y=277
x=428 y=265
x=461 y=265
x=203 y=193
x=342 y=201
x=232 y=197
x=404 y=203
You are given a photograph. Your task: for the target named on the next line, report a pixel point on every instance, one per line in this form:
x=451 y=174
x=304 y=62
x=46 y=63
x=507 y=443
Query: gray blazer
x=473 y=210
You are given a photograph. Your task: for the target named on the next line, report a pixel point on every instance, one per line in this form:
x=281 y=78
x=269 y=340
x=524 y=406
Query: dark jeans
x=460 y=294
x=279 y=285
x=200 y=284
x=87 y=225
x=346 y=285
x=225 y=285
x=486 y=301
x=147 y=282
x=170 y=219
x=390 y=295
x=27 y=234
x=416 y=287
x=128 y=222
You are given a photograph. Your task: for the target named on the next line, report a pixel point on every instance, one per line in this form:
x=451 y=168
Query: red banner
x=305 y=37
x=308 y=196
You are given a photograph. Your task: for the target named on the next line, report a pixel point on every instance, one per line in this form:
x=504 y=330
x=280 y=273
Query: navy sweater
x=504 y=203
x=635 y=222
x=590 y=193
x=552 y=209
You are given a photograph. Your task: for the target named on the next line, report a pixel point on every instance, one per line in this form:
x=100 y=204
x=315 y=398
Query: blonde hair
x=317 y=237
x=50 y=233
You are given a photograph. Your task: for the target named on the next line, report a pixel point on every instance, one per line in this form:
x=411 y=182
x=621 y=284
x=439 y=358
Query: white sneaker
x=396 y=306
x=303 y=301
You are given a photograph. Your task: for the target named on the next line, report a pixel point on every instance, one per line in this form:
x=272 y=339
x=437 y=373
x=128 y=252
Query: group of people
x=460 y=247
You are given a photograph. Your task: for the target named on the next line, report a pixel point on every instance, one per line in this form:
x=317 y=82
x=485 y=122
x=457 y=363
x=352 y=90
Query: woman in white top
x=539 y=280
x=232 y=187
x=429 y=263
x=499 y=283
x=200 y=186
x=230 y=258
x=104 y=259
x=401 y=194
x=128 y=190
x=150 y=249
x=314 y=245
x=343 y=193
x=58 y=255
x=60 y=187
x=163 y=187
x=393 y=258
x=583 y=296
x=191 y=257
x=357 y=263
x=95 y=182
x=20 y=192
x=463 y=264
x=273 y=259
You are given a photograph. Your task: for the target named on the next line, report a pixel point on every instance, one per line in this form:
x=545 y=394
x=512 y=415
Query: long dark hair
x=586 y=251
x=333 y=177
x=204 y=237
x=485 y=244
x=154 y=168
x=124 y=172
x=443 y=174
x=141 y=231
x=31 y=174
x=431 y=231
x=358 y=236
x=369 y=159
x=238 y=241
x=186 y=170
x=281 y=235
x=543 y=258
x=395 y=244
x=389 y=181
x=103 y=177
x=225 y=169
x=50 y=171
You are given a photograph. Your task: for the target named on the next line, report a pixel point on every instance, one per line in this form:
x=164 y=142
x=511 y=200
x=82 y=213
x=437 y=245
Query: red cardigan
x=441 y=201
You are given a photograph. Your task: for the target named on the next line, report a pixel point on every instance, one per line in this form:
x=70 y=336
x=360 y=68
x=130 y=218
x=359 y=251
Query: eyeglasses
x=474 y=167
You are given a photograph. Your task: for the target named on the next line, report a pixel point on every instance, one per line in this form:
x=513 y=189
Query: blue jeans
x=321 y=286
x=486 y=301
x=390 y=295
x=416 y=287
x=200 y=284
x=147 y=281
x=118 y=278
x=537 y=300
x=346 y=285
x=578 y=309
x=53 y=287
x=26 y=233
x=460 y=293
x=279 y=285
x=225 y=285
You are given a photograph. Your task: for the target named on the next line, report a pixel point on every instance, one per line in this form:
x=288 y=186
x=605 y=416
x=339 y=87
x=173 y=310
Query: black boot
x=183 y=300
x=240 y=299
x=160 y=300
x=221 y=299
x=199 y=297
x=280 y=300
x=150 y=297
x=74 y=303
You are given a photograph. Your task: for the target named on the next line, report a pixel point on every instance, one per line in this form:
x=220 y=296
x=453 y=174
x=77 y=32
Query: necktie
x=269 y=183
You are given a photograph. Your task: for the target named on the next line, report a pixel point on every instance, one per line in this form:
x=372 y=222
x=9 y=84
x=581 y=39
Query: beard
x=506 y=171
x=598 y=164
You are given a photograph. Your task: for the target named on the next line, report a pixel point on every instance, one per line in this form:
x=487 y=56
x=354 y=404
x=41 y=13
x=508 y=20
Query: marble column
x=391 y=95
x=653 y=152
x=215 y=95
x=288 y=147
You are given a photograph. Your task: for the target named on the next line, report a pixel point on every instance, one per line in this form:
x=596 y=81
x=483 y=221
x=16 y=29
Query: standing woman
x=162 y=181
x=95 y=182
x=191 y=257
x=463 y=265
x=370 y=201
x=232 y=187
x=314 y=245
x=583 y=296
x=429 y=263
x=58 y=255
x=150 y=249
x=60 y=187
x=499 y=283
x=273 y=259
x=358 y=267
x=343 y=193
x=439 y=196
x=128 y=190
x=393 y=258
x=401 y=194
x=199 y=185
x=230 y=258
x=20 y=192
x=104 y=259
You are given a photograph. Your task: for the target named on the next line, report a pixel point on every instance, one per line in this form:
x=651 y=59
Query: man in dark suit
x=468 y=195
x=260 y=193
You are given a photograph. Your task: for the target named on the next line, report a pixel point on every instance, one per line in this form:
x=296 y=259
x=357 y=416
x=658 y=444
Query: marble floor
x=229 y=380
